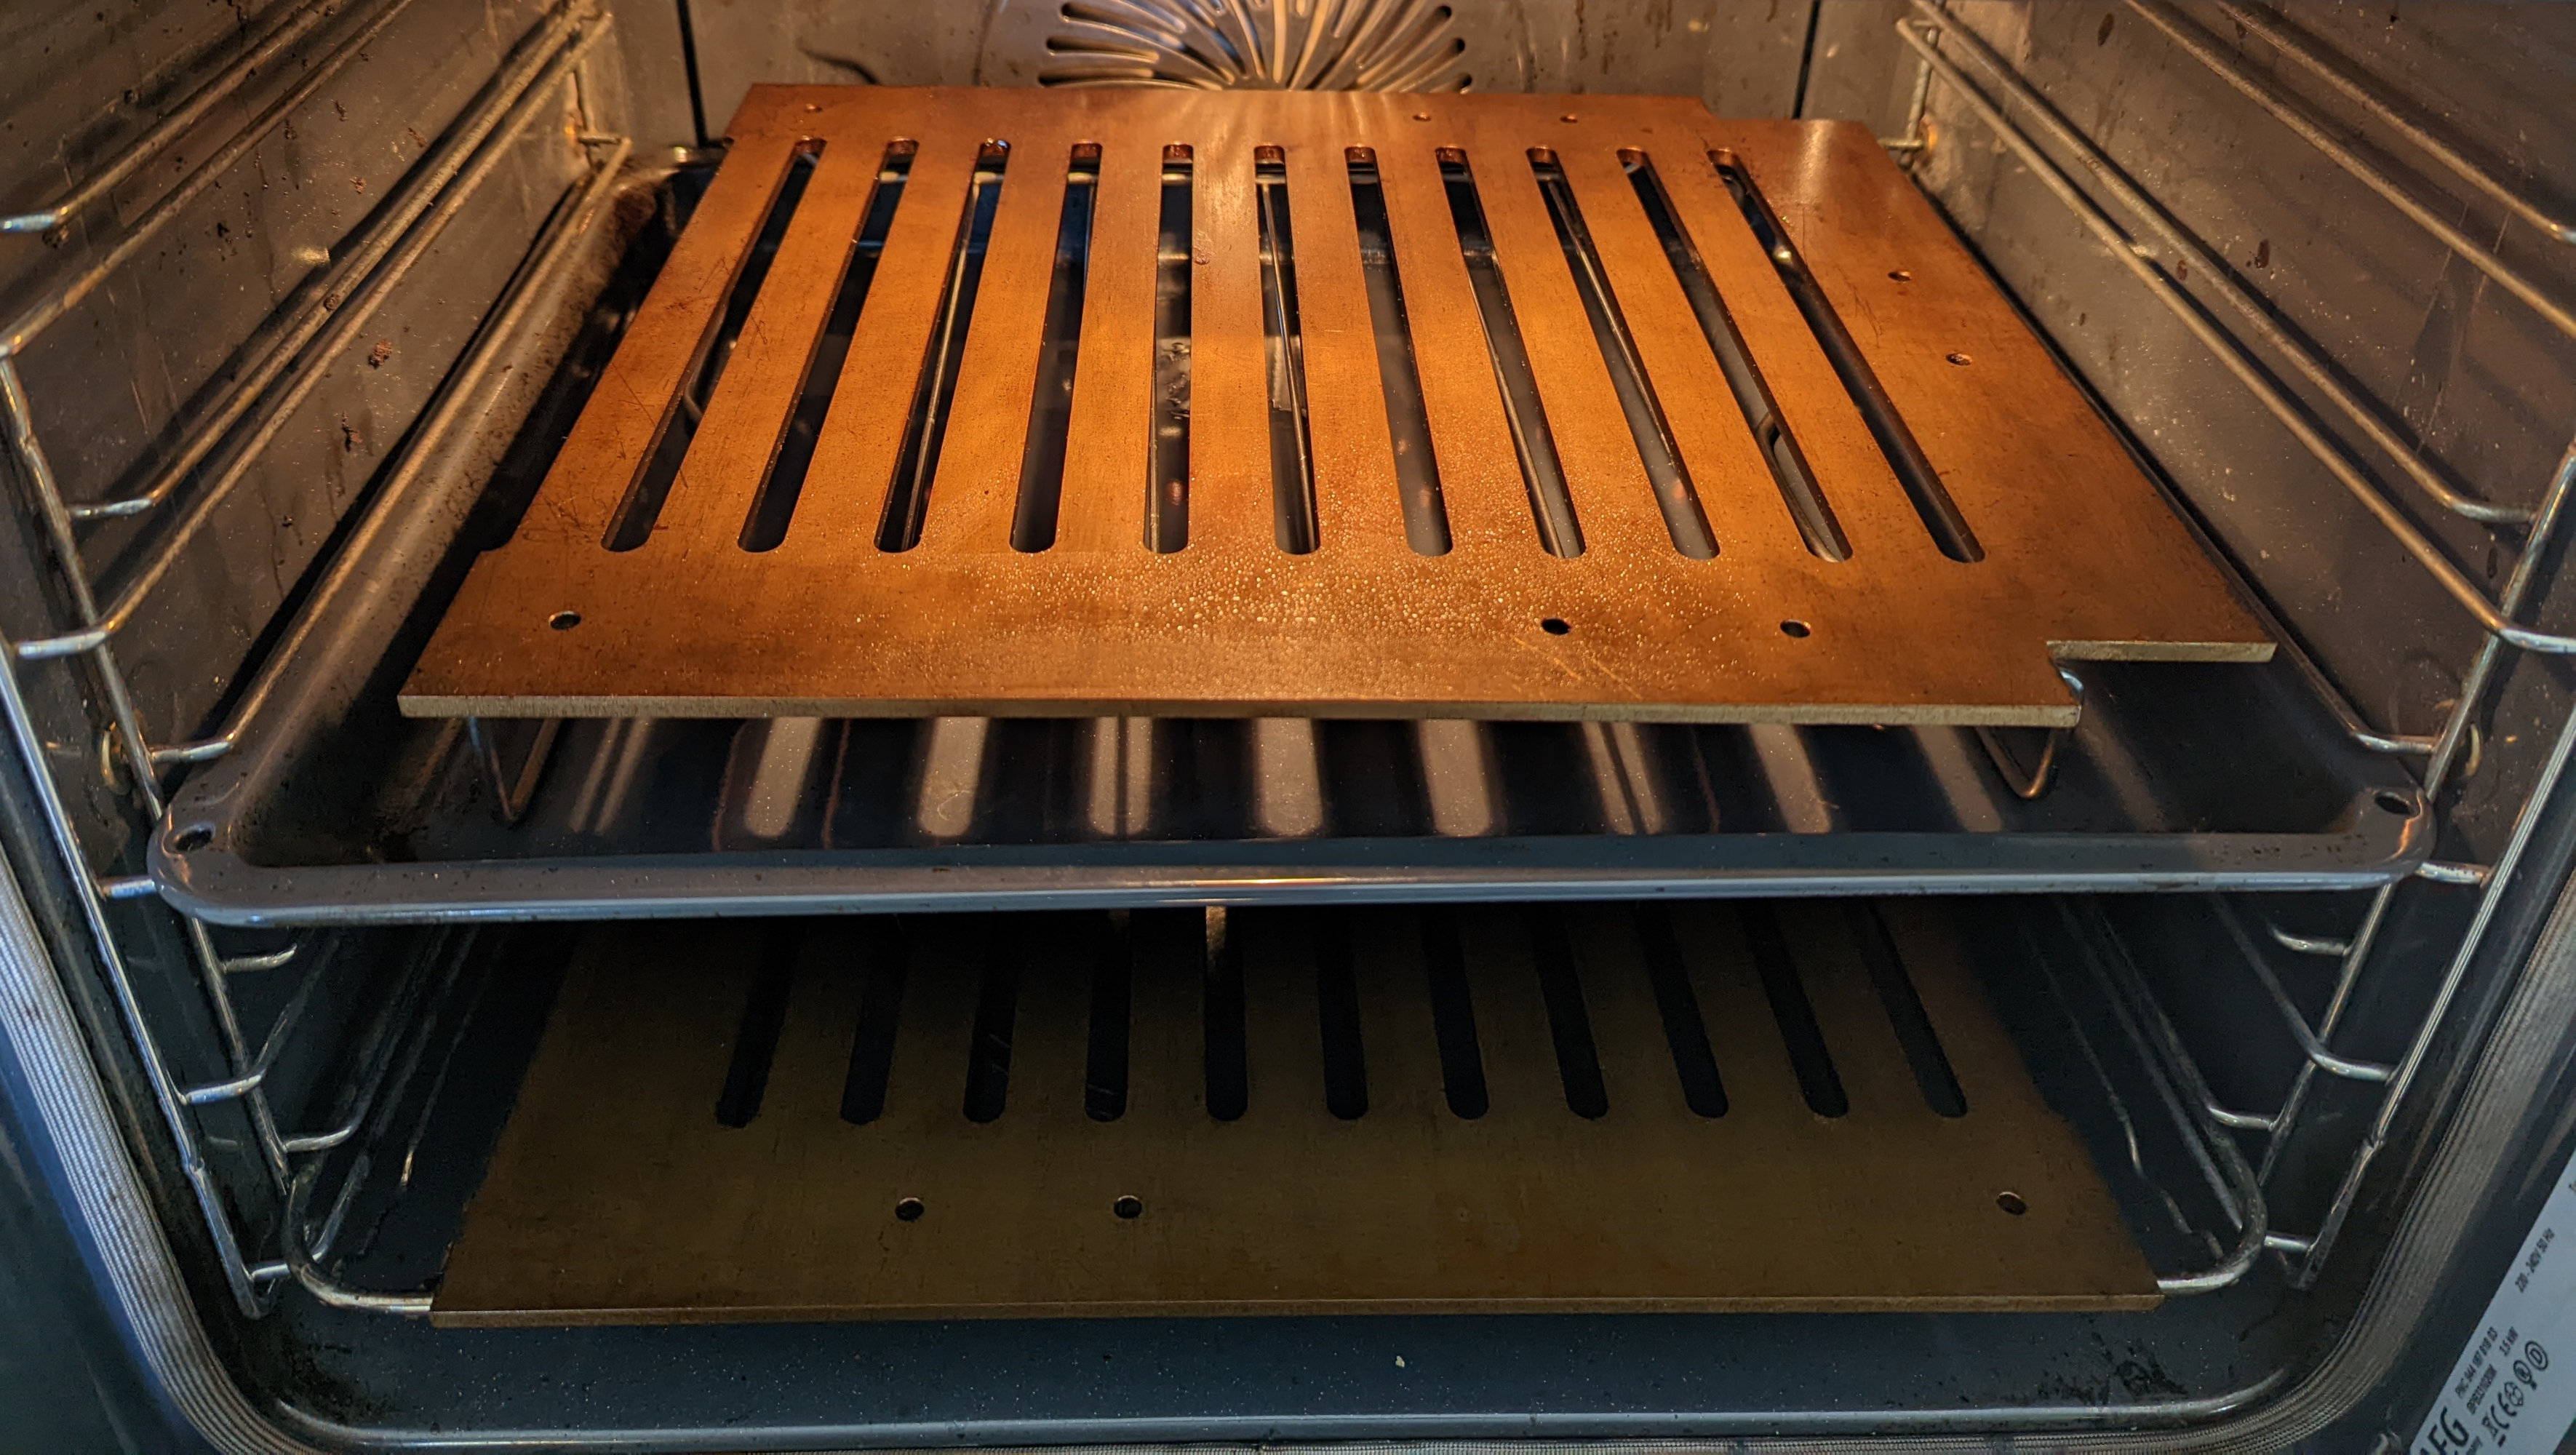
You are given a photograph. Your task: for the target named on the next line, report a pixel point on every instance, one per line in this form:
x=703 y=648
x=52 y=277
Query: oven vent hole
x=632 y=524
x=1059 y=350
x=1533 y=443
x=1674 y=495
x=1408 y=420
x=1337 y=1013
x=1817 y=1080
x=917 y=463
x=1797 y=483
x=1292 y=449
x=764 y=1015
x=1290 y=45
x=1923 y=1051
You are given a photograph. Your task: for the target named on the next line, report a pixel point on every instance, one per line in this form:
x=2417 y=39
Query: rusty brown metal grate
x=1141 y=403
x=1806 y=1105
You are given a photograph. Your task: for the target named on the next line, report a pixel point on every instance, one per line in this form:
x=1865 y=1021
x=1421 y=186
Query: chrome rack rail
x=297 y=23
x=138 y=235
x=2157 y=250
x=296 y=349
x=2176 y=1081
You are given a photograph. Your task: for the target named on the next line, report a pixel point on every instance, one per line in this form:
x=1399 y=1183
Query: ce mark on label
x=2505 y=1389
x=2503 y=1393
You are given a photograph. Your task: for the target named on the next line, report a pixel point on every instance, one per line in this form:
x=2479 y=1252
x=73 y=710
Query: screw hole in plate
x=564 y=621
x=1555 y=626
x=192 y=838
x=1900 y=275
x=1795 y=628
x=1130 y=1207
x=2011 y=1202
x=907 y=1210
x=1422 y=116
x=1962 y=360
x=2395 y=802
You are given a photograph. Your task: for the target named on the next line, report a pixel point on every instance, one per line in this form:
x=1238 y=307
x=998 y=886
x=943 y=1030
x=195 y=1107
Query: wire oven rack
x=85 y=640
x=327 y=321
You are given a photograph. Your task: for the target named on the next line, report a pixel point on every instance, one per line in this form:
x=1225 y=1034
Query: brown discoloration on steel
x=1231 y=515
x=1480 y=481
x=1111 y=436
x=854 y=454
x=977 y=489
x=1612 y=502
x=662 y=346
x=1354 y=454
x=615 y=1196
x=1976 y=423
x=1866 y=496
x=1726 y=467
x=746 y=418
x=2084 y=559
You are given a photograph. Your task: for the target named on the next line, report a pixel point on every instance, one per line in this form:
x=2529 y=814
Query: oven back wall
x=1743 y=59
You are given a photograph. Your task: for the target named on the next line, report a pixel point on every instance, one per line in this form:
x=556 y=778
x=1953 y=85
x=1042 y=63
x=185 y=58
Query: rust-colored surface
x=2083 y=559
x=616 y=1196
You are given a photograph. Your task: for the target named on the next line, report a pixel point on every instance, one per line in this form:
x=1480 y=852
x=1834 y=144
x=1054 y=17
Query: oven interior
x=1269 y=1079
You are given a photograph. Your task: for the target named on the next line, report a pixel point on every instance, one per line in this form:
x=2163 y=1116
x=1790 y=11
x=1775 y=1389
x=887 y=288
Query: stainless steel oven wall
x=116 y=390
x=2283 y=250
x=2475 y=383
x=379 y=98
x=243 y=251
x=1745 y=59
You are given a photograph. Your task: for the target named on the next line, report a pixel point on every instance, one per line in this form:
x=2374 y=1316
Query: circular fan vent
x=1301 y=45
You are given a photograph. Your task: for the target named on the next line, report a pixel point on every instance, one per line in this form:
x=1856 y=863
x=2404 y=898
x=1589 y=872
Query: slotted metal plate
x=939 y=407
x=1607 y=1108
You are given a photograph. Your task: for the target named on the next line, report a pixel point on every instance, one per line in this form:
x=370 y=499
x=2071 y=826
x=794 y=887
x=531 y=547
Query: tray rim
x=223 y=887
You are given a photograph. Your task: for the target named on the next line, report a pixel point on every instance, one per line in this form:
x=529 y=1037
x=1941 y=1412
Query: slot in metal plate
x=2081 y=557
x=616 y=1195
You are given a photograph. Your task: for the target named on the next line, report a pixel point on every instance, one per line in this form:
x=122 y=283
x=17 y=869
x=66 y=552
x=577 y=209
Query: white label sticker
x=2514 y=1387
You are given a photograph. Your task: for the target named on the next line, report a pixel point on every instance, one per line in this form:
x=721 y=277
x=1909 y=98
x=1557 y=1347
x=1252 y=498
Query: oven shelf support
x=470 y=152
x=2033 y=782
x=2454 y=750
x=2267 y=25
x=38 y=316
x=2180 y=1088
x=2301 y=124
x=2142 y=262
x=332 y=326
x=294 y=26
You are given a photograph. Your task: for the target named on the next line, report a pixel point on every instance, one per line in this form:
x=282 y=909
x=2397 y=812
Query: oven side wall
x=2490 y=410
